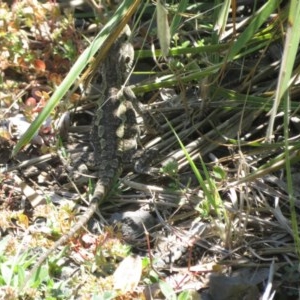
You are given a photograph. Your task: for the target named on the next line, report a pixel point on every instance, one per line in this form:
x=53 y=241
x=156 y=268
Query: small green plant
x=13 y=268
x=171 y=170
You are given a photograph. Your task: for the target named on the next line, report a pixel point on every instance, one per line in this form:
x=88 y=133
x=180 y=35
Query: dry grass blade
x=223 y=203
x=163 y=29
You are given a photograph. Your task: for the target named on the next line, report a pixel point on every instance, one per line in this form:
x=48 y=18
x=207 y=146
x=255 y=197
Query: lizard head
x=125 y=49
x=117 y=64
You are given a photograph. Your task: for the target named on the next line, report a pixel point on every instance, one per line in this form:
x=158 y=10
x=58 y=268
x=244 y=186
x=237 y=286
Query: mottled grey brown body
x=113 y=134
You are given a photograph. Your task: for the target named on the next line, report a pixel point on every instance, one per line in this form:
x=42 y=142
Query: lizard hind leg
x=143 y=161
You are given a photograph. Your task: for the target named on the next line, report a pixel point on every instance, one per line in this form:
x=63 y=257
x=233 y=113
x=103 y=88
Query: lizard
x=113 y=134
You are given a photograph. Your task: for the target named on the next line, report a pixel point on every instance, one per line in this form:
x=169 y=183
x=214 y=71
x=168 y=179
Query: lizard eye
x=127 y=59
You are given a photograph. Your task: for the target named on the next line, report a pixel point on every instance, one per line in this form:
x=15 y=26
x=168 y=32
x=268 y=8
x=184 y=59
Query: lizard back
x=114 y=128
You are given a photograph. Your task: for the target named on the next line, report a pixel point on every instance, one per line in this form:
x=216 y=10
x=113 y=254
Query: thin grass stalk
x=289 y=179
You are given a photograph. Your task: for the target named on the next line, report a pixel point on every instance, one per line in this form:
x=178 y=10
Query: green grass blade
x=258 y=20
x=288 y=60
x=175 y=24
x=208 y=186
x=282 y=92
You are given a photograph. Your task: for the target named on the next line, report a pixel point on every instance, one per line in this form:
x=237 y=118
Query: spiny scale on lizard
x=114 y=132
